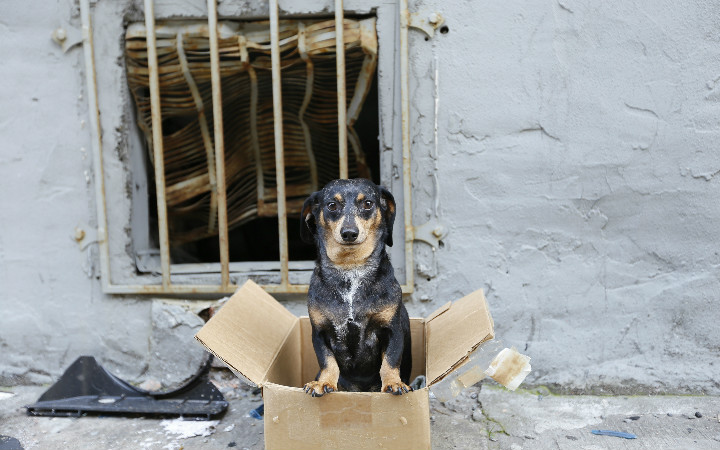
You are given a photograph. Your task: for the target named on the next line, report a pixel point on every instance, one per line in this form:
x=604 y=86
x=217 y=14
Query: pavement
x=485 y=416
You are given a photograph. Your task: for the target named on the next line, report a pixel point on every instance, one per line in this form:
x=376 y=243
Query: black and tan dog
x=360 y=327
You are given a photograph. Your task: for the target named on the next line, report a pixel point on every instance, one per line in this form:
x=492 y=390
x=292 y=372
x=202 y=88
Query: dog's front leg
x=390 y=368
x=327 y=379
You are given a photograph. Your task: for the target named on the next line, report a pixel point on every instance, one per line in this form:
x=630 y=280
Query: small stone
x=473 y=395
x=477 y=415
x=698 y=414
x=150 y=385
x=634 y=417
x=670 y=414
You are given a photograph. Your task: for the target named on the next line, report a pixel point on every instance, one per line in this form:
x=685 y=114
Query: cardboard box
x=266 y=344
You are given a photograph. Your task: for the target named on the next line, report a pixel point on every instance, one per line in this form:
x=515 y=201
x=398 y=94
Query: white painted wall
x=51 y=306
x=576 y=174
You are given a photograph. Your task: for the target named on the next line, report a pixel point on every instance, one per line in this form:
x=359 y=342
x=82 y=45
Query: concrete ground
x=487 y=418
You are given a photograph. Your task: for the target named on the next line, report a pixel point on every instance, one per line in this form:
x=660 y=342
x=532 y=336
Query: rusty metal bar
x=207 y=289
x=94 y=117
x=405 y=112
x=182 y=289
x=185 y=289
x=341 y=90
x=279 y=149
x=157 y=142
x=219 y=143
x=309 y=82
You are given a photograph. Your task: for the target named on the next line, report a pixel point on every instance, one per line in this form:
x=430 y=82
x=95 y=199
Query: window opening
x=308 y=70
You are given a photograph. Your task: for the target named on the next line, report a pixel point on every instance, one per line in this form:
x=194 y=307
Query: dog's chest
x=350 y=292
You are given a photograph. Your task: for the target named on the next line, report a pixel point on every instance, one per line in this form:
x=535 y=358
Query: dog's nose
x=349 y=234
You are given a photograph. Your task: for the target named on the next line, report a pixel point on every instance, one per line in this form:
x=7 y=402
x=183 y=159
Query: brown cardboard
x=262 y=341
x=453 y=332
x=345 y=420
x=248 y=332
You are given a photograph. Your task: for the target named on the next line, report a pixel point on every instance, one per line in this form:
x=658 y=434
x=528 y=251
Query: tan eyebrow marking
x=360 y=197
x=338 y=197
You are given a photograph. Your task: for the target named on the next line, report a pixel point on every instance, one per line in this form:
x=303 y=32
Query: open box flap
x=453 y=332
x=248 y=332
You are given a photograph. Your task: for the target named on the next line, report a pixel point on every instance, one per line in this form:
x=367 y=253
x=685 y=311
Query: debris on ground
x=86 y=387
x=9 y=443
x=620 y=434
x=258 y=412
x=184 y=429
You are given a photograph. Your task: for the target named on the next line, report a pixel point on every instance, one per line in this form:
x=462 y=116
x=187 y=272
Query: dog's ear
x=308 y=226
x=387 y=206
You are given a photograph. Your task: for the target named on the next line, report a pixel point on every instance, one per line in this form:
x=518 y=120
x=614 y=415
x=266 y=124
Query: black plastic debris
x=9 y=443
x=86 y=387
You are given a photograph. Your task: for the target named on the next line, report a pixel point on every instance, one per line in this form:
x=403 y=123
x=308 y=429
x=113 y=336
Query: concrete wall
x=574 y=168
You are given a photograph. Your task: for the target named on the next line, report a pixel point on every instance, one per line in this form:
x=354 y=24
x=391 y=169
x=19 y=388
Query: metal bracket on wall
x=426 y=21
x=431 y=232
x=85 y=234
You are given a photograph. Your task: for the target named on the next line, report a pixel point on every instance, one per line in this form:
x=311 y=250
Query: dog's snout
x=349 y=234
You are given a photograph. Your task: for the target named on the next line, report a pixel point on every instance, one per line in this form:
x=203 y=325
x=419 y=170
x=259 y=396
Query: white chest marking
x=355 y=278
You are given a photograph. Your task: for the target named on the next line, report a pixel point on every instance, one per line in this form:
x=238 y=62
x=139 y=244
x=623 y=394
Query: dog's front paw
x=318 y=388
x=396 y=388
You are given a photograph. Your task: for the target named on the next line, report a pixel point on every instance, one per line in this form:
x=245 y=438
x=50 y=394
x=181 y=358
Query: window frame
x=121 y=251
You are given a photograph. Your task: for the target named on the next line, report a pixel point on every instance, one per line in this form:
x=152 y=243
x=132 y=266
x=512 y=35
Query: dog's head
x=350 y=217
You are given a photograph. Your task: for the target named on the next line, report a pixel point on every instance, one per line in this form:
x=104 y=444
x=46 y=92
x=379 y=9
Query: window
x=210 y=226
x=309 y=80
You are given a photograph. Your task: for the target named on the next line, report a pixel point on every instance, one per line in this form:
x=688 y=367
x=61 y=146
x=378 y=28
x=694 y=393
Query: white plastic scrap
x=504 y=365
x=509 y=368
x=189 y=428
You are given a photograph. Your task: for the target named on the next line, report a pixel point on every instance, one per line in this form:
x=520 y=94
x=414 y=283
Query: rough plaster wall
x=577 y=173
x=51 y=306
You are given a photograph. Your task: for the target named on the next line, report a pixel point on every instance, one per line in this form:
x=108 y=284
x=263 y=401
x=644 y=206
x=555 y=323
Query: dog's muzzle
x=349 y=234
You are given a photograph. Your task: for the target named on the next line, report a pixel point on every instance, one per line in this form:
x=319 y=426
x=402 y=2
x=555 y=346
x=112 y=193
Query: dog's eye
x=368 y=204
x=332 y=206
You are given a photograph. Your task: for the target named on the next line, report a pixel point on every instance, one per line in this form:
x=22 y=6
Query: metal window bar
x=341 y=88
x=157 y=143
x=279 y=146
x=219 y=188
x=219 y=145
